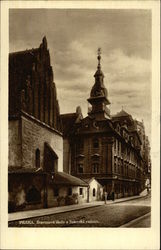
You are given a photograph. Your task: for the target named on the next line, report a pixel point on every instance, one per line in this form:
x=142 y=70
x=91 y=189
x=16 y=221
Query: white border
x=91 y=238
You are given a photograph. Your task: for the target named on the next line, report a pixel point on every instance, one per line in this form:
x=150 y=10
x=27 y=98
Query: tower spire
x=99 y=95
x=99 y=58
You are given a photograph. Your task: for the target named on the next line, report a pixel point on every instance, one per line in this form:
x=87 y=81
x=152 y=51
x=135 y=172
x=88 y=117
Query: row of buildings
x=64 y=159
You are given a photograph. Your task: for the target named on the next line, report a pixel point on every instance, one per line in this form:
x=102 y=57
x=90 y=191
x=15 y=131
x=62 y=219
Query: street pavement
x=143 y=221
x=112 y=214
x=55 y=210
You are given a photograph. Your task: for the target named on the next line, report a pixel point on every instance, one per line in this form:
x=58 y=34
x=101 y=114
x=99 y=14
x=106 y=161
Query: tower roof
x=98 y=89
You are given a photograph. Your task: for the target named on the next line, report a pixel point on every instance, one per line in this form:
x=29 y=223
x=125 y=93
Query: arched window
x=33 y=195
x=94 y=192
x=37 y=158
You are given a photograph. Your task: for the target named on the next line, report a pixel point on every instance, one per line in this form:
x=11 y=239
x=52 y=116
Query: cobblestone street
x=114 y=215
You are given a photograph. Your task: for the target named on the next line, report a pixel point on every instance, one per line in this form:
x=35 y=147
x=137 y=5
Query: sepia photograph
x=80 y=113
x=79 y=118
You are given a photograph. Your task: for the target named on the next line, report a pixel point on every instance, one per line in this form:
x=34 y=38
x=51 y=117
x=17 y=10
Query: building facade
x=35 y=135
x=105 y=147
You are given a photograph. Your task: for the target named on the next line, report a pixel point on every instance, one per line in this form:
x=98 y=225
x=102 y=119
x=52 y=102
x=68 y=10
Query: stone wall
x=19 y=187
x=64 y=198
x=15 y=153
x=34 y=135
x=66 y=156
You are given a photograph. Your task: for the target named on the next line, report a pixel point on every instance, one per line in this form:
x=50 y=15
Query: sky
x=73 y=37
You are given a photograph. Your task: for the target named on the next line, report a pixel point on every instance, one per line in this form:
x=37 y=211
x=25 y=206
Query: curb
x=135 y=220
x=56 y=212
x=129 y=199
x=74 y=209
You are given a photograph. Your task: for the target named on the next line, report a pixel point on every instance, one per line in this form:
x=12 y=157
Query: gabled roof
x=122 y=113
x=68 y=121
x=89 y=180
x=63 y=178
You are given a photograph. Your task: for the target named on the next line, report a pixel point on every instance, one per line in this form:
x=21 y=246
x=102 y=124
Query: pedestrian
x=113 y=196
x=105 y=197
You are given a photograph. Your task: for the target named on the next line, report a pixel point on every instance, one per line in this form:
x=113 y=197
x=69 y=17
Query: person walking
x=113 y=196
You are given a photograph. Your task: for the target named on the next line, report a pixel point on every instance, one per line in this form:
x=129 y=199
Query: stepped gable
x=31 y=86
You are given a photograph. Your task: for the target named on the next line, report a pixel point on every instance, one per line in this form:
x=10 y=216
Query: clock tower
x=98 y=96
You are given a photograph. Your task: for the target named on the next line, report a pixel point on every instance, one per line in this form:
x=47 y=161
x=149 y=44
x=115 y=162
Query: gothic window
x=96 y=143
x=94 y=192
x=80 y=168
x=37 y=158
x=95 y=168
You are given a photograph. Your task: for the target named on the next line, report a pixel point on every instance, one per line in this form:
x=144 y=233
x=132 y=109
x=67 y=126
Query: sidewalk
x=55 y=210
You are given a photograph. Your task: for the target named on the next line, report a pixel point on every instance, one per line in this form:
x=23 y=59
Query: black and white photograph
x=80 y=113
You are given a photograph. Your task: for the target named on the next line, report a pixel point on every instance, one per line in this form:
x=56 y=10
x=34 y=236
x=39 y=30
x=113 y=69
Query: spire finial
x=99 y=57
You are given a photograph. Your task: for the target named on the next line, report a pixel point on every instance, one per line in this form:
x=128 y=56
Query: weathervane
x=99 y=57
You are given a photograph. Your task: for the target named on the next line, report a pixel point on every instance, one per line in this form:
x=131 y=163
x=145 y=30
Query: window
x=33 y=195
x=37 y=158
x=115 y=168
x=95 y=168
x=118 y=147
x=96 y=143
x=69 y=191
x=94 y=192
x=80 y=168
x=80 y=145
x=115 y=144
x=81 y=191
x=56 y=191
x=119 y=168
